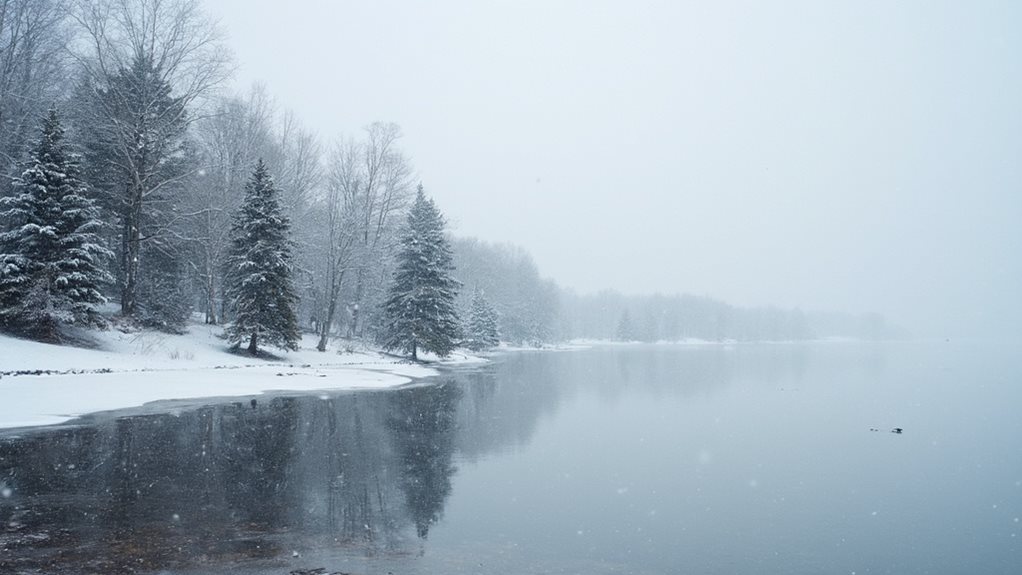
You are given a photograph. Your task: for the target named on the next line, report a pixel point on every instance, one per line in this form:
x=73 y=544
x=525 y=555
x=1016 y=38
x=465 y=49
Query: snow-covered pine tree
x=258 y=279
x=482 y=328
x=50 y=254
x=625 y=329
x=420 y=312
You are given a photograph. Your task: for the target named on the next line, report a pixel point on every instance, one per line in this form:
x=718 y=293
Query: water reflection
x=252 y=484
x=422 y=425
x=226 y=482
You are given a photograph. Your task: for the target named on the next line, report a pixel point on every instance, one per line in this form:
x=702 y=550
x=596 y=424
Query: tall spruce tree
x=258 y=279
x=420 y=311
x=51 y=258
x=482 y=329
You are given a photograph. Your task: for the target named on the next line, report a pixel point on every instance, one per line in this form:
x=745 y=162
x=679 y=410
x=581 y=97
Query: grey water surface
x=621 y=459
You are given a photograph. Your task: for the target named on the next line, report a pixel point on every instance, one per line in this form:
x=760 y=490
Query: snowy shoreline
x=45 y=384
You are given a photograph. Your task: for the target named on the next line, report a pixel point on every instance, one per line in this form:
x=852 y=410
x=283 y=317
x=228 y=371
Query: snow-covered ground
x=132 y=369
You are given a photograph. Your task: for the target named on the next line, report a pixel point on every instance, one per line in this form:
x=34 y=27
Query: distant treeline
x=533 y=309
x=528 y=306
x=651 y=318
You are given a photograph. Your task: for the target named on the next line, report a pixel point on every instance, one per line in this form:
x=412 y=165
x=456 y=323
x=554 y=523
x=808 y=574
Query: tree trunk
x=359 y=290
x=415 y=356
x=126 y=301
x=324 y=328
x=331 y=310
x=131 y=242
x=129 y=302
x=354 y=322
x=210 y=299
x=252 y=344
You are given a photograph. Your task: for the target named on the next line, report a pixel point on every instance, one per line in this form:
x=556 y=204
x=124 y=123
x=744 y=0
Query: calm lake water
x=636 y=459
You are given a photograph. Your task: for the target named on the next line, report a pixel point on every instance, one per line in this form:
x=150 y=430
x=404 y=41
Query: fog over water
x=856 y=157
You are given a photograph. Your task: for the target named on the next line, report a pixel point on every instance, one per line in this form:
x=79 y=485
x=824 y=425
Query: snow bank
x=132 y=369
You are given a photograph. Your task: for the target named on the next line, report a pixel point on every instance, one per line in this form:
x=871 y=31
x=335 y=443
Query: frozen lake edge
x=45 y=384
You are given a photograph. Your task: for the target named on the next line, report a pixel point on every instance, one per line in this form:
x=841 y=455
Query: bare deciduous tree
x=33 y=69
x=369 y=183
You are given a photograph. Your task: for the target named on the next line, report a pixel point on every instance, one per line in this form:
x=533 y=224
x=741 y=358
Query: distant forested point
x=658 y=318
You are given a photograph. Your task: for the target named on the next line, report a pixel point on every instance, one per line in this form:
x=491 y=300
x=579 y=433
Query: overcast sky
x=853 y=156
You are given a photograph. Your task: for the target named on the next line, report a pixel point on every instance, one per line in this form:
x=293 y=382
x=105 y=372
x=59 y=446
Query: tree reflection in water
x=221 y=483
x=423 y=423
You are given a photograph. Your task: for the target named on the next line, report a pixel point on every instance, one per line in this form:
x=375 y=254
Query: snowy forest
x=120 y=112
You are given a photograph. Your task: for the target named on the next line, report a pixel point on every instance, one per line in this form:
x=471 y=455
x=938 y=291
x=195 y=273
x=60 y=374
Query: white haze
x=857 y=156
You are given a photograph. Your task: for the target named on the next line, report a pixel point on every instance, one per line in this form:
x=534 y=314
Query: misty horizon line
x=891 y=329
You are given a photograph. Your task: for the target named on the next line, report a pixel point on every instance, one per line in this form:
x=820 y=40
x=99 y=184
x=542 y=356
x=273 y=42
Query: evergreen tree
x=625 y=329
x=482 y=329
x=164 y=301
x=50 y=255
x=258 y=278
x=420 y=312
